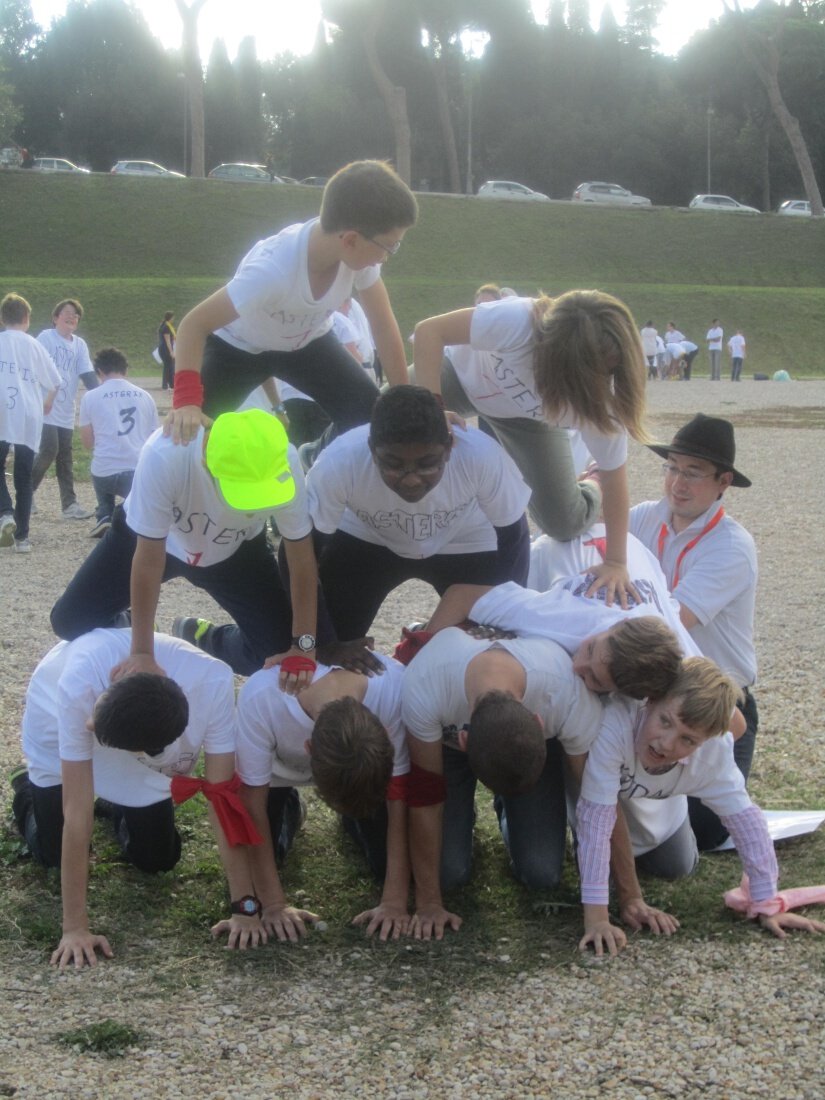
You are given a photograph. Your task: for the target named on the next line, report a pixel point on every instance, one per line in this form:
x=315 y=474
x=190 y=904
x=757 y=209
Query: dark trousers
x=146 y=834
x=357 y=576
x=22 y=508
x=56 y=446
x=247 y=586
x=709 y=830
x=107 y=488
x=323 y=369
x=307 y=420
x=688 y=365
x=168 y=374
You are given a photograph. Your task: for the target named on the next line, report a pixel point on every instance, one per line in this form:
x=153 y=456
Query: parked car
x=800 y=208
x=506 y=189
x=241 y=173
x=609 y=193
x=143 y=168
x=56 y=164
x=720 y=202
x=315 y=181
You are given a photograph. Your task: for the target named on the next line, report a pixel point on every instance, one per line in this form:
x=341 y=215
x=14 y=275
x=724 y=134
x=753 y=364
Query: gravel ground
x=682 y=1019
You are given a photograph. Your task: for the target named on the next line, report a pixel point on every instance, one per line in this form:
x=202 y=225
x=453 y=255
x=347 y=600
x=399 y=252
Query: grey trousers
x=561 y=506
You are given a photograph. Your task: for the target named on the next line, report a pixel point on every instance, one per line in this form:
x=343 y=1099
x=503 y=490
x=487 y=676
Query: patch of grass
x=108 y=1037
x=130 y=249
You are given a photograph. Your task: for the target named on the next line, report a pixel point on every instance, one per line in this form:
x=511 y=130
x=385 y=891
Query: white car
x=144 y=168
x=799 y=208
x=720 y=202
x=56 y=164
x=610 y=193
x=242 y=173
x=506 y=189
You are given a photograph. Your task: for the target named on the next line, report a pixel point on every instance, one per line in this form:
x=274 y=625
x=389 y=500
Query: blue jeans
x=109 y=487
x=22 y=509
x=247 y=586
x=533 y=825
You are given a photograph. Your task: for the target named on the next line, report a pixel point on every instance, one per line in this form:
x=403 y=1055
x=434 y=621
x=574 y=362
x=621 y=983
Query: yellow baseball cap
x=246 y=454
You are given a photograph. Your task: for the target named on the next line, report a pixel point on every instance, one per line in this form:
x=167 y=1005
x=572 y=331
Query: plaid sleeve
x=594 y=826
x=755 y=847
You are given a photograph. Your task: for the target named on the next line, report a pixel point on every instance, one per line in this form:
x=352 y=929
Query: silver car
x=612 y=194
x=242 y=173
x=720 y=202
x=56 y=164
x=799 y=208
x=506 y=189
x=145 y=168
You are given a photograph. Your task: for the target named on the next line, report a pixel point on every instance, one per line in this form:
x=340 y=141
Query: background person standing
x=714 y=339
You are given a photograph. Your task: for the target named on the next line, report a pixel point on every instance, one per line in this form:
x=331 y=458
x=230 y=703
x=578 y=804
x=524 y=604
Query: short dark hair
x=645 y=657
x=111 y=361
x=506 y=746
x=143 y=712
x=14 y=310
x=408 y=414
x=73 y=302
x=368 y=196
x=351 y=758
x=168 y=315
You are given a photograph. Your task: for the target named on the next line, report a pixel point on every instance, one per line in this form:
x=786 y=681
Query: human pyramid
x=599 y=677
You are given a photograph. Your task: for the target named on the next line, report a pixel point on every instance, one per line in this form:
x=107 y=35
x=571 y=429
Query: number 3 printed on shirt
x=127 y=417
x=11 y=396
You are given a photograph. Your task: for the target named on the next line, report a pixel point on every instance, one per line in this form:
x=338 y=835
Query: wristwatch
x=247 y=906
x=305 y=642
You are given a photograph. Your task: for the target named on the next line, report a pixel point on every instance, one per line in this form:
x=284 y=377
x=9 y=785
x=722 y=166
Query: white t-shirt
x=673 y=336
x=273 y=726
x=122 y=417
x=564 y=613
x=736 y=345
x=366 y=344
x=71 y=357
x=649 y=336
x=496 y=372
x=717 y=582
x=481 y=488
x=271 y=293
x=434 y=702
x=27 y=373
x=173 y=497
x=613 y=771
x=62 y=694
x=714 y=338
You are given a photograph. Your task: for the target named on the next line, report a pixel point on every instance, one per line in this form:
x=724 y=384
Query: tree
x=222 y=122
x=248 y=82
x=10 y=115
x=640 y=23
x=761 y=46
x=193 y=77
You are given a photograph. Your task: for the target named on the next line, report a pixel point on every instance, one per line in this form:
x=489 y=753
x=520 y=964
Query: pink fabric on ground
x=740 y=900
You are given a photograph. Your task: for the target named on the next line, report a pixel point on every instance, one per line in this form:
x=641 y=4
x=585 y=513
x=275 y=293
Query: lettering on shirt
x=645 y=588
x=512 y=387
x=203 y=526
x=631 y=787
x=19 y=370
x=417 y=526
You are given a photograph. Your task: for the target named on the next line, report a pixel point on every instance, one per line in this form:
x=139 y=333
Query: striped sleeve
x=755 y=847
x=595 y=827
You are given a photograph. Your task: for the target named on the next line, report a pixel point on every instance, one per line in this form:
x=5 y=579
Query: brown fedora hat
x=708 y=437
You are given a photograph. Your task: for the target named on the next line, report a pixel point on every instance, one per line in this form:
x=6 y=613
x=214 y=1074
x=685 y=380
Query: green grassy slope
x=131 y=248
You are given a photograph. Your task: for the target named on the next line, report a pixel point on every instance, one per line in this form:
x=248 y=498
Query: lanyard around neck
x=663 y=537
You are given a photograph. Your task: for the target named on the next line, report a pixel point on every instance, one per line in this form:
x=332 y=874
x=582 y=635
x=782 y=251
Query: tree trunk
x=193 y=76
x=442 y=98
x=395 y=100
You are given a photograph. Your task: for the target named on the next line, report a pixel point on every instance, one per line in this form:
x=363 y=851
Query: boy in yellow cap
x=200 y=512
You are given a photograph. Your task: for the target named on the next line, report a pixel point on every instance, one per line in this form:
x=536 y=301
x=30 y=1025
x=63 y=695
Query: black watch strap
x=247 y=906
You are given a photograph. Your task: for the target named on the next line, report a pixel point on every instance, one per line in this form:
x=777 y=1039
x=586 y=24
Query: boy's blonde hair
x=351 y=758
x=588 y=360
x=368 y=196
x=14 y=310
x=645 y=657
x=706 y=696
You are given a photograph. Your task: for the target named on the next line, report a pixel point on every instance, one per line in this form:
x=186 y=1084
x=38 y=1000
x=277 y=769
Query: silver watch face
x=306 y=642
x=249 y=907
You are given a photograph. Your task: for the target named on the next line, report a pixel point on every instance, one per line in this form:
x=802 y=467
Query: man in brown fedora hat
x=709 y=561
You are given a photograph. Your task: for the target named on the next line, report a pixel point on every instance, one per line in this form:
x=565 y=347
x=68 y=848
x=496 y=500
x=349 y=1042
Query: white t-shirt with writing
x=714 y=338
x=273 y=298
x=496 y=372
x=736 y=346
x=273 y=727
x=174 y=497
x=434 y=700
x=71 y=357
x=122 y=417
x=65 y=687
x=27 y=374
x=481 y=488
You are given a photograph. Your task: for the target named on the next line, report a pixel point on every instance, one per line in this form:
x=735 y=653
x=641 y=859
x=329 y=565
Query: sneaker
x=7 y=529
x=192 y=630
x=22 y=546
x=100 y=528
x=76 y=511
x=122 y=621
